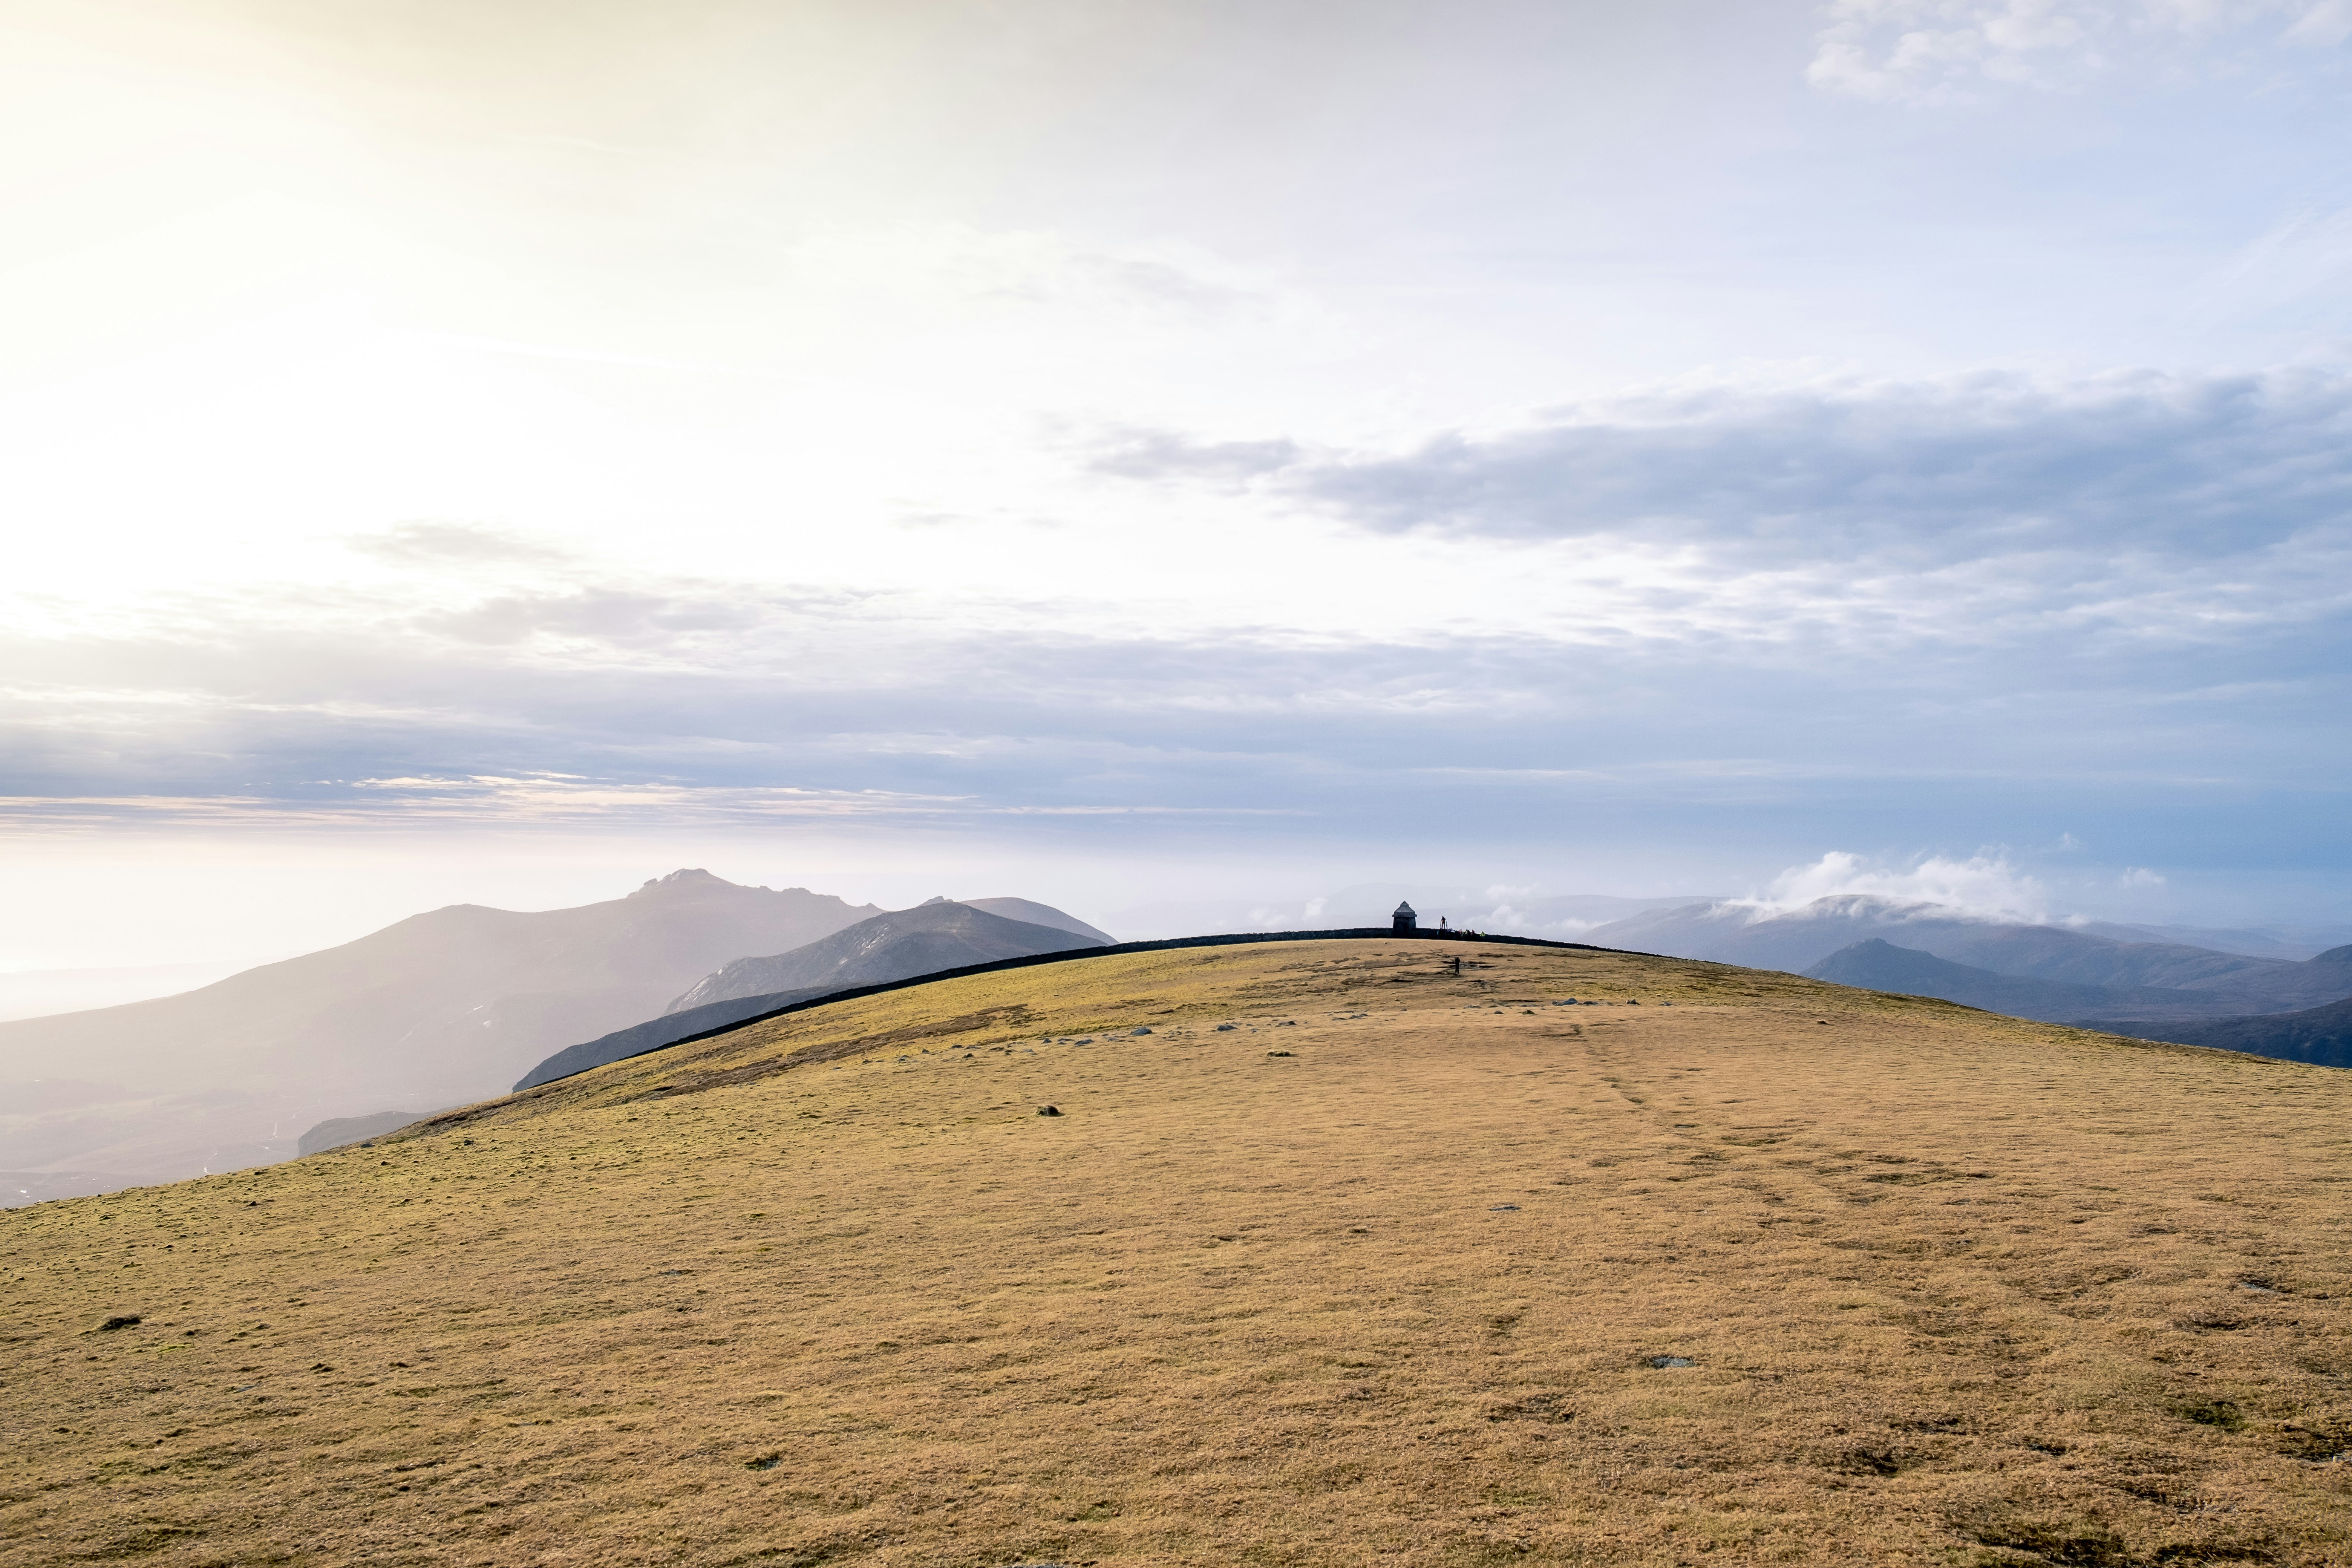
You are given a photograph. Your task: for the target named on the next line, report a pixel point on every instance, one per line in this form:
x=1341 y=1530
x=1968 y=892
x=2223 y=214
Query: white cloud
x=1954 y=467
x=1965 y=510
x=1987 y=886
x=1939 y=50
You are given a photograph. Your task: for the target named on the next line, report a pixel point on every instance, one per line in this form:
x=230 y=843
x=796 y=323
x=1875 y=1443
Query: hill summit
x=1331 y=1251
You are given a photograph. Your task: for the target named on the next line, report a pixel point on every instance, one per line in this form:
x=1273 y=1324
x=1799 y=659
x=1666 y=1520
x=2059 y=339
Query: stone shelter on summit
x=1405 y=918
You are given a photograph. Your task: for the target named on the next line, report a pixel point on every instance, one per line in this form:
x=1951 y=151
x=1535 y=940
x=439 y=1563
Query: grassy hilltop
x=1387 y=1272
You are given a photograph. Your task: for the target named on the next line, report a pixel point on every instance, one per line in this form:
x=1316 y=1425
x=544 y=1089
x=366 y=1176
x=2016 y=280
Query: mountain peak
x=685 y=877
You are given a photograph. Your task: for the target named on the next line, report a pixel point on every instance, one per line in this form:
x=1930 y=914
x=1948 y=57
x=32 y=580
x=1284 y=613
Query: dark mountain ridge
x=937 y=935
x=940 y=934
x=1876 y=965
x=2321 y=1036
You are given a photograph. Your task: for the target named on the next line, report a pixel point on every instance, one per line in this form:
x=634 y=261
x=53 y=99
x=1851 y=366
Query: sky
x=1115 y=451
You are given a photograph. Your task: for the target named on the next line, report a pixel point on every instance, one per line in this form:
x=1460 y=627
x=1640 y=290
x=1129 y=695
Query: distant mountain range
x=2322 y=1035
x=2106 y=977
x=439 y=1009
x=1875 y=964
x=932 y=936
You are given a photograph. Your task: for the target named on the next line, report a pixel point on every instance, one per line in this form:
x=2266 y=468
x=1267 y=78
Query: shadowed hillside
x=929 y=937
x=2321 y=1036
x=1876 y=966
x=1331 y=1255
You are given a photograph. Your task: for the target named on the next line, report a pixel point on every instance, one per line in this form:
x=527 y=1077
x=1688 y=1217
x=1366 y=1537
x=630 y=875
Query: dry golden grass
x=1954 y=1289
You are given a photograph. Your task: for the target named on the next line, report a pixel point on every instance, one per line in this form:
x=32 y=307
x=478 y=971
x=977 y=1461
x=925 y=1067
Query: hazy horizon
x=1141 y=452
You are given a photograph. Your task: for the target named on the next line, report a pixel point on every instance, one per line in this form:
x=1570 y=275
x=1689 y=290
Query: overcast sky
x=500 y=450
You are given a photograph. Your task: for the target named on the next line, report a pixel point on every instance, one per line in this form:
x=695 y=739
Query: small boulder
x=1049 y=1110
x=131 y=1321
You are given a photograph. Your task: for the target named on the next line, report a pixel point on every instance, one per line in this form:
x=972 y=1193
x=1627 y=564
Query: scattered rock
x=764 y=1462
x=1278 y=1053
x=1139 y=1031
x=1662 y=1361
x=1049 y=1110
x=118 y=1323
x=1502 y=1208
x=1224 y=1028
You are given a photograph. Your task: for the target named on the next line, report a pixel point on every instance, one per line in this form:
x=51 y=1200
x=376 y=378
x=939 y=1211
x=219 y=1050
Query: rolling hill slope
x=1349 y=1259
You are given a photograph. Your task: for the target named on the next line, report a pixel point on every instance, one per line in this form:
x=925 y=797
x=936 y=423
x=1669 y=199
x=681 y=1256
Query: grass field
x=1402 y=1267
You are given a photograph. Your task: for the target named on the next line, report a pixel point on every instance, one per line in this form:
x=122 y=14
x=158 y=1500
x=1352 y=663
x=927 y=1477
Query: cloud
x=1941 y=50
x=1159 y=454
x=1968 y=466
x=437 y=544
x=2096 y=516
x=1986 y=887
